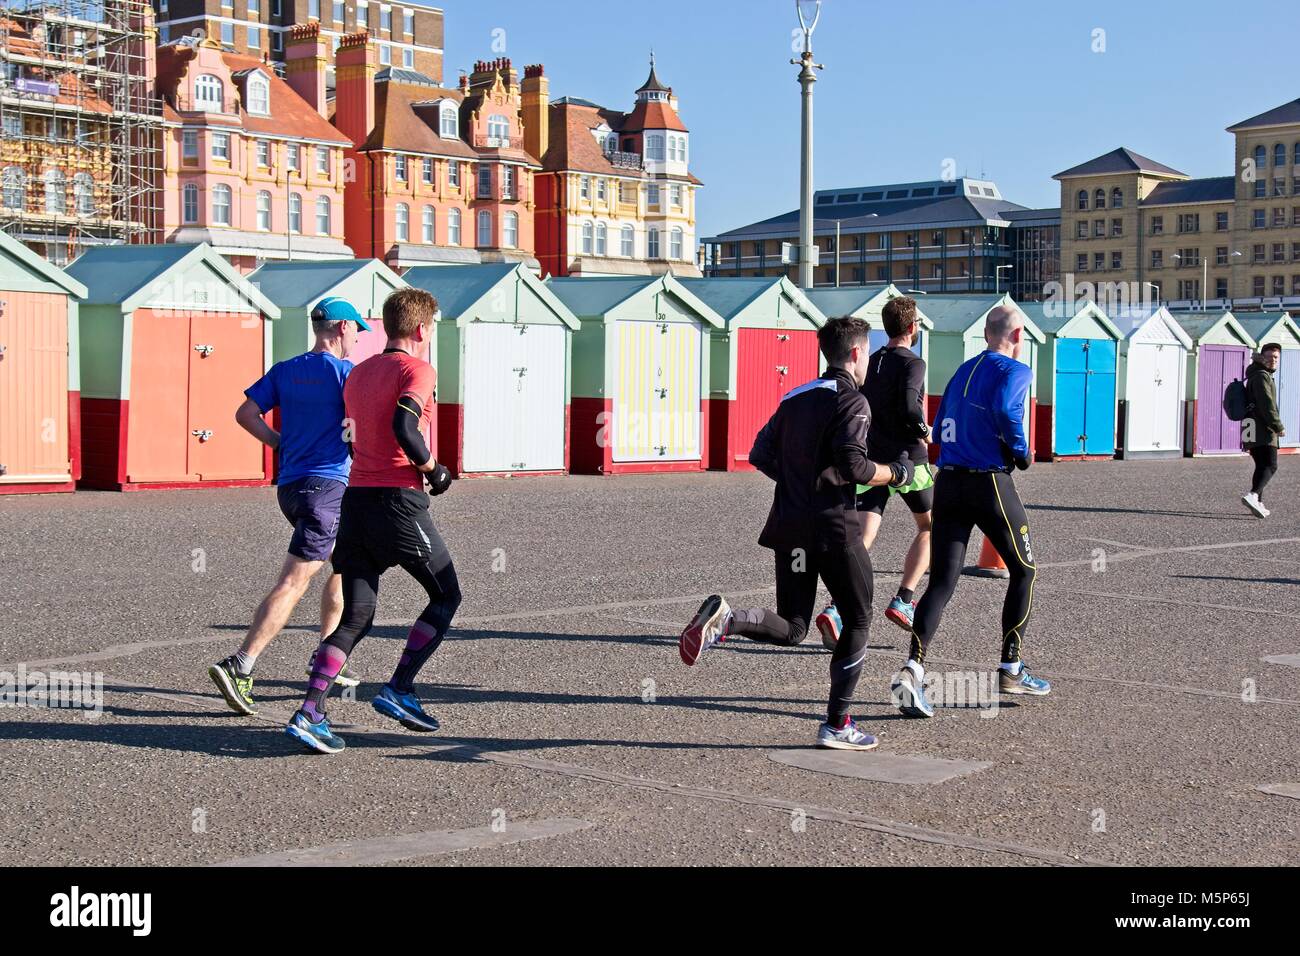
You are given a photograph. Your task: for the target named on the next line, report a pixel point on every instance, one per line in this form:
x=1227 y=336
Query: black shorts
x=381 y=528
x=874 y=500
x=312 y=505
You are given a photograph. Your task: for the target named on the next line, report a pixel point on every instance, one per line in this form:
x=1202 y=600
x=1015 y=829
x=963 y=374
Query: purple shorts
x=312 y=506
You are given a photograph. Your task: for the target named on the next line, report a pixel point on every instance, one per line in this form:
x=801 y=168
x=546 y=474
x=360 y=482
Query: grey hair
x=321 y=326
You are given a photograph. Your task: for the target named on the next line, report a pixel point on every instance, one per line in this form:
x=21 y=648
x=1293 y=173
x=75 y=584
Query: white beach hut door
x=540 y=411
x=1167 y=404
x=1143 y=397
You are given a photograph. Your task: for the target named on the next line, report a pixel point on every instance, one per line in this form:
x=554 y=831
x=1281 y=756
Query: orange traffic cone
x=990 y=564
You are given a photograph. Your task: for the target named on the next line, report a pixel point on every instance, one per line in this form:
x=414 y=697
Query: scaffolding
x=80 y=124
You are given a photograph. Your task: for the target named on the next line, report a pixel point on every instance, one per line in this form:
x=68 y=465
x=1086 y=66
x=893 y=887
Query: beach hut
x=1221 y=350
x=767 y=347
x=503 y=357
x=171 y=335
x=1279 y=327
x=1152 y=383
x=1077 y=380
x=296 y=287
x=957 y=334
x=40 y=441
x=866 y=302
x=640 y=373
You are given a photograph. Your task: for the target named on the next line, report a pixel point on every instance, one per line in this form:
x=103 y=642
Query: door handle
x=206 y=350
x=202 y=434
x=662 y=392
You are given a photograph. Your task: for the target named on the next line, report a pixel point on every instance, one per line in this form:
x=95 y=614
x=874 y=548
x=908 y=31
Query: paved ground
x=573 y=735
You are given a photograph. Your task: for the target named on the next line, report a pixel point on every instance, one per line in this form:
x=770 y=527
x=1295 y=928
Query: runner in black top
x=895 y=390
x=815 y=449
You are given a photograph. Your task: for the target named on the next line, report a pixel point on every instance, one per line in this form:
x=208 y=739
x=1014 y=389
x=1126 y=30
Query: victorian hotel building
x=949 y=236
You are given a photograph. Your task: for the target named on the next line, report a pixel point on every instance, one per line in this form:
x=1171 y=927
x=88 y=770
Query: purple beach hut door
x=1215 y=432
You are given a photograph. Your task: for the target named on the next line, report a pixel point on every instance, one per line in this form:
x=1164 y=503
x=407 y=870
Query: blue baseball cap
x=335 y=309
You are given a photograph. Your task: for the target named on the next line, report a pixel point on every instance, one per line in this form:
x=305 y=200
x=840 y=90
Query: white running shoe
x=705 y=629
x=847 y=737
x=1256 y=507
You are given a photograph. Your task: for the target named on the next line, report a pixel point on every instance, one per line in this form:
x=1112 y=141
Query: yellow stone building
x=1137 y=229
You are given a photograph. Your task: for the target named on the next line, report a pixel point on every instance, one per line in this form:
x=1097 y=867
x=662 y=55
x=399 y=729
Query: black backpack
x=1236 y=403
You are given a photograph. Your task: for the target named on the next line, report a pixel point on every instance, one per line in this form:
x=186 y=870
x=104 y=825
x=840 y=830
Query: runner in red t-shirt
x=385 y=519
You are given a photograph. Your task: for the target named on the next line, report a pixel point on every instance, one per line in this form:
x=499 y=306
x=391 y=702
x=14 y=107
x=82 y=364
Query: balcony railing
x=624 y=160
x=497 y=142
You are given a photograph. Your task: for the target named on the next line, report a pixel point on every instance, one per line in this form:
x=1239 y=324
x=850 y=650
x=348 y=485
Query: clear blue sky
x=1010 y=87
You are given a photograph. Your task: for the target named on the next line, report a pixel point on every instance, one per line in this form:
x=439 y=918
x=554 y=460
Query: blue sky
x=1009 y=87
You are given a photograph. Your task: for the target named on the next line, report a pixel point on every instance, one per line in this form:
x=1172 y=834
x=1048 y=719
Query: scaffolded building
x=80 y=124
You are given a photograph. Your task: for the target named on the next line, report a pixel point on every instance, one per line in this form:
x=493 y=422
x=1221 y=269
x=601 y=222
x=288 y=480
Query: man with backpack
x=1261 y=426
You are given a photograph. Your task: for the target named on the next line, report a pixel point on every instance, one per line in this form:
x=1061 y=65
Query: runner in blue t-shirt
x=314 y=465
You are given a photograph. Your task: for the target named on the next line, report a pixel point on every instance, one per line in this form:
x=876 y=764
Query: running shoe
x=344 y=677
x=908 y=695
x=1256 y=507
x=1023 y=683
x=830 y=625
x=237 y=690
x=316 y=736
x=847 y=737
x=705 y=629
x=901 y=612
x=403 y=708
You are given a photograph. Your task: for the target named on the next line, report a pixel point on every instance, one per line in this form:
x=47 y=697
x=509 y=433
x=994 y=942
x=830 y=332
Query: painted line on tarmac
x=1140 y=551
x=415 y=846
x=880 y=765
x=862 y=821
x=1179 y=602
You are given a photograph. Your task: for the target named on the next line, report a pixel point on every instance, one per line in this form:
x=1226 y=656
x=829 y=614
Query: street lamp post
x=809 y=12
x=997 y=279
x=1205 y=275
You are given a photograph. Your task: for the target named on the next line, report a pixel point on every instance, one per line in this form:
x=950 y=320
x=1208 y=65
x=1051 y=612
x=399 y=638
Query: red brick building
x=437 y=175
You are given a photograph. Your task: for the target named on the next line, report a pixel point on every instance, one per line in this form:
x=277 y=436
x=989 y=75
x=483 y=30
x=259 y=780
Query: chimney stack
x=355 y=64
x=535 y=110
x=305 y=62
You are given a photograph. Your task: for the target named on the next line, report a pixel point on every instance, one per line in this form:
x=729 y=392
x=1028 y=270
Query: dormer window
x=259 y=95
x=207 y=93
x=498 y=130
x=447 y=120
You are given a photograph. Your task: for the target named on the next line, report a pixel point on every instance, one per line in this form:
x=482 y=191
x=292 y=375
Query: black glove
x=1022 y=463
x=903 y=472
x=439 y=479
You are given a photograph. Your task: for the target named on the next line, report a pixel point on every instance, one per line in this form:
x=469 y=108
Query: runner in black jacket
x=815 y=449
x=895 y=390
